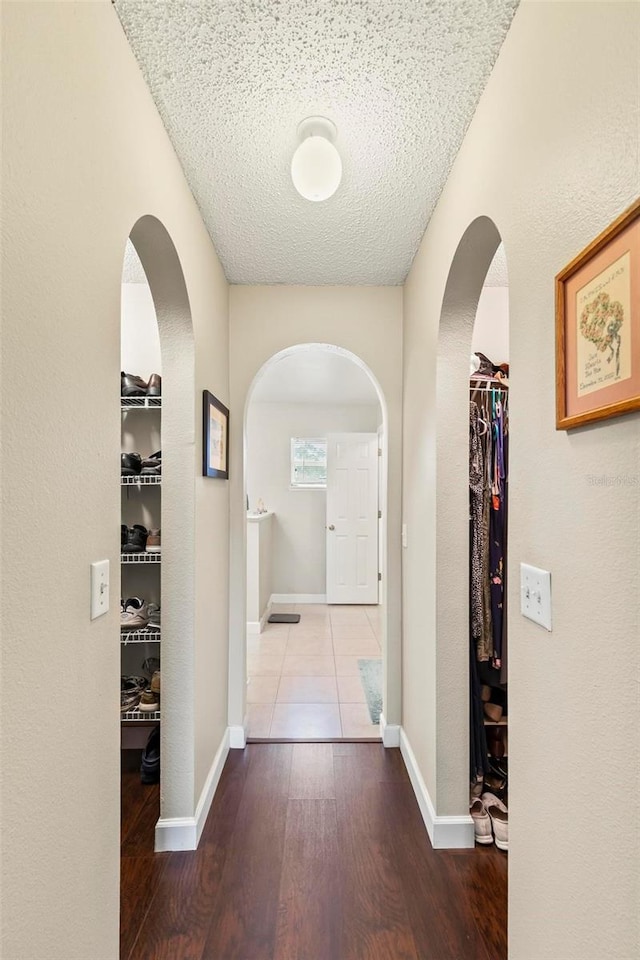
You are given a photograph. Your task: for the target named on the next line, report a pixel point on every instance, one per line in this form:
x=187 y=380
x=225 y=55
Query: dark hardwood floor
x=311 y=851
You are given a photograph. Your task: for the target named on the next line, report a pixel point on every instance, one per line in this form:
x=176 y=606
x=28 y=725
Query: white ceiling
x=315 y=375
x=232 y=79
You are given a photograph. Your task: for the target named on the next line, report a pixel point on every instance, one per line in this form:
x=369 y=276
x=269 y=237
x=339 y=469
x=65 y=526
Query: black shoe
x=123 y=535
x=136 y=539
x=152 y=465
x=150 y=763
x=132 y=386
x=130 y=464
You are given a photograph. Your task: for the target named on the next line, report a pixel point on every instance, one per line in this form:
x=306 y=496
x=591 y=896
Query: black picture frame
x=215 y=437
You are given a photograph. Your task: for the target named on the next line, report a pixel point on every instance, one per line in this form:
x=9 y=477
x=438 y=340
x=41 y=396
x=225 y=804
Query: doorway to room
x=315 y=486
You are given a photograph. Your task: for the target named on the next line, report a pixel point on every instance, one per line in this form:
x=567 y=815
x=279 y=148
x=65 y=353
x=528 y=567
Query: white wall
x=366 y=321
x=140 y=340
x=491 y=327
x=299 y=538
x=552 y=157
x=84 y=156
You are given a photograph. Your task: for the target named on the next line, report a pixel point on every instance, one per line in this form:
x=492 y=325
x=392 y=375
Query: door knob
x=331 y=527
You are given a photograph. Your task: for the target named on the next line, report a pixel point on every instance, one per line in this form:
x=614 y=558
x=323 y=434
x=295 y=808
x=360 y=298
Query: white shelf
x=140 y=716
x=141 y=481
x=140 y=557
x=140 y=403
x=146 y=635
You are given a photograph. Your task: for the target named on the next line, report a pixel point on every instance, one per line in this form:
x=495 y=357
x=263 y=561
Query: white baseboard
x=390 y=733
x=183 y=833
x=255 y=627
x=445 y=833
x=237 y=737
x=298 y=598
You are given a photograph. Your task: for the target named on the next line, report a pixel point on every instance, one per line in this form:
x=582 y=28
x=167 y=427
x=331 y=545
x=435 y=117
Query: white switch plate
x=535 y=594
x=404 y=535
x=99 y=588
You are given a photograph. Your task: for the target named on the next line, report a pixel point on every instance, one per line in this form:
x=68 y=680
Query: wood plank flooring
x=311 y=851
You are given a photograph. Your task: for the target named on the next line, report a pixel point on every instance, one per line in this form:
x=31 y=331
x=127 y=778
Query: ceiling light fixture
x=316 y=167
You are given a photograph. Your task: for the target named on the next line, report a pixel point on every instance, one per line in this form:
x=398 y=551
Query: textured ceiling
x=233 y=78
x=315 y=375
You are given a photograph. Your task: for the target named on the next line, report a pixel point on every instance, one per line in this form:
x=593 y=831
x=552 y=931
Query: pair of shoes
x=137 y=539
x=134 y=614
x=133 y=465
x=150 y=698
x=490 y=821
x=131 y=689
x=134 y=386
x=150 y=762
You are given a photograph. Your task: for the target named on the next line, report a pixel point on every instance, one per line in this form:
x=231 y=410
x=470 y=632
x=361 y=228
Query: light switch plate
x=99 y=588
x=535 y=595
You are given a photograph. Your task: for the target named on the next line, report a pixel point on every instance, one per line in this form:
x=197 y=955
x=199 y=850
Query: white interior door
x=352 y=518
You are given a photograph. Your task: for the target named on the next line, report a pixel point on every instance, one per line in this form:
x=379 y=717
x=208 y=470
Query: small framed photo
x=215 y=437
x=598 y=327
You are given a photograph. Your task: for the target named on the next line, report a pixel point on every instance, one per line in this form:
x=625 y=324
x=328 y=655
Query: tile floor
x=304 y=680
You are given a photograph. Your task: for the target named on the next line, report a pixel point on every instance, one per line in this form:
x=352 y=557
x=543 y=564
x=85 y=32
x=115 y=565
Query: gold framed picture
x=598 y=327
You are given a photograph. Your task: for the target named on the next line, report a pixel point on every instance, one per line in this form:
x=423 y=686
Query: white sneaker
x=481 y=822
x=134 y=614
x=499 y=819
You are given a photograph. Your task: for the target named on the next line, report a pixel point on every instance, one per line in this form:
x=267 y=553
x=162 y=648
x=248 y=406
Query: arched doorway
x=153 y=250
x=238 y=683
x=466 y=279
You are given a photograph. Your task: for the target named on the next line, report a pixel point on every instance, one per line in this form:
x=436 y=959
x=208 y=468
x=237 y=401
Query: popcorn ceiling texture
x=232 y=80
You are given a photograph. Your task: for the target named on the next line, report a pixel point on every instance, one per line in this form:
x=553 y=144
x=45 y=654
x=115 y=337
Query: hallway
x=310 y=852
x=305 y=679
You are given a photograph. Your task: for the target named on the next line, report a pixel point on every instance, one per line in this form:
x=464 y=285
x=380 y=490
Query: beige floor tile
x=350 y=690
x=275 y=631
x=302 y=666
x=311 y=631
x=306 y=720
x=273 y=648
x=262 y=689
x=264 y=665
x=309 y=647
x=307 y=690
x=347 y=665
x=356 y=721
x=320 y=609
x=352 y=631
x=356 y=647
x=283 y=608
x=259 y=719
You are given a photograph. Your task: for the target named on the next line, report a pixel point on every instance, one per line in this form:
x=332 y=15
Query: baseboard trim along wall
x=183 y=833
x=298 y=598
x=445 y=833
x=390 y=732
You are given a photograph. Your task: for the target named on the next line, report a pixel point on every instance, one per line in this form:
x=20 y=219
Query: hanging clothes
x=479 y=589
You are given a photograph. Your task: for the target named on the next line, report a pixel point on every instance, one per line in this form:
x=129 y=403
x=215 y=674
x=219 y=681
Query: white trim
x=445 y=833
x=183 y=833
x=390 y=733
x=237 y=737
x=298 y=598
x=255 y=627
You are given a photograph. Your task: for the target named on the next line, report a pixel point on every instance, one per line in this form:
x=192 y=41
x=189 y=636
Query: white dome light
x=316 y=167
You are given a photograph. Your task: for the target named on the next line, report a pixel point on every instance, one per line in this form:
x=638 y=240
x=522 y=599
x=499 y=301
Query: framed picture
x=215 y=437
x=598 y=327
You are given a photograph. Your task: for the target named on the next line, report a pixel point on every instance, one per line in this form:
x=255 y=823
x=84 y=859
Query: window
x=308 y=462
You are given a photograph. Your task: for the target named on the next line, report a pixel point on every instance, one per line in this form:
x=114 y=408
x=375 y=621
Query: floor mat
x=371 y=676
x=284 y=618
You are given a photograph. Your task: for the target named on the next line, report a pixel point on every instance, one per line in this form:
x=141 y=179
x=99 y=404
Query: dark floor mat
x=284 y=618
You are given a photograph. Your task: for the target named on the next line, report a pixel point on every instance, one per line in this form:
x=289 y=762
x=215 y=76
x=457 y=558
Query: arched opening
x=455 y=642
x=158 y=535
x=303 y=399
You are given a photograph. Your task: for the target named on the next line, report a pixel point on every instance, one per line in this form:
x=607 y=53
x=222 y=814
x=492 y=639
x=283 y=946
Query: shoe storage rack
x=145 y=641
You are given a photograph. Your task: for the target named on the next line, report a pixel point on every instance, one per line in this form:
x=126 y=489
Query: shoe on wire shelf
x=134 y=614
